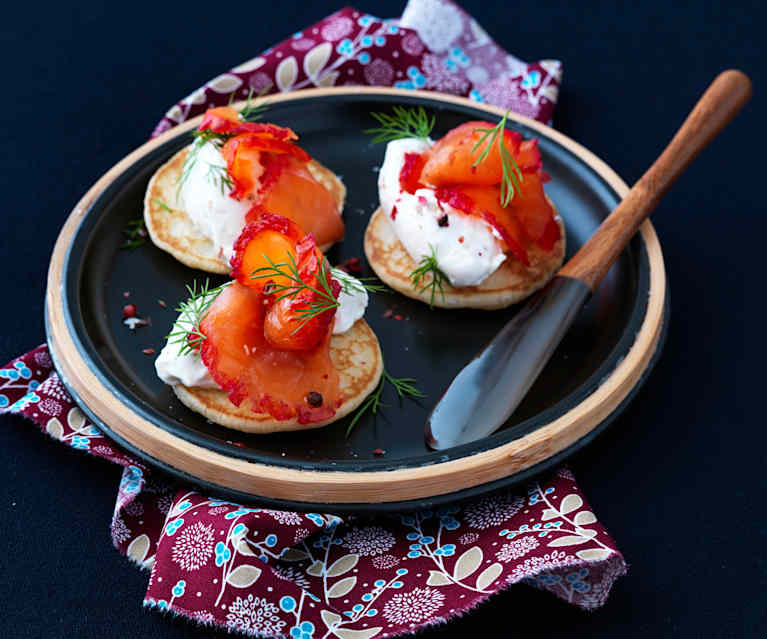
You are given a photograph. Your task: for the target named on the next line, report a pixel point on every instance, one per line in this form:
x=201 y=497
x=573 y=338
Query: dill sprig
x=404 y=123
x=253 y=112
x=349 y=283
x=404 y=386
x=135 y=231
x=512 y=176
x=428 y=266
x=186 y=330
x=217 y=173
x=324 y=300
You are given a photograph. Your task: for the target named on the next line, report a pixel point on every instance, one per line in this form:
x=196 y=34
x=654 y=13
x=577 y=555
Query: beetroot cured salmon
x=264 y=163
x=451 y=167
x=259 y=345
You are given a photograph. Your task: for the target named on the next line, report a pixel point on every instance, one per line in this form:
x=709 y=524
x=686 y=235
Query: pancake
x=512 y=282
x=174 y=232
x=356 y=355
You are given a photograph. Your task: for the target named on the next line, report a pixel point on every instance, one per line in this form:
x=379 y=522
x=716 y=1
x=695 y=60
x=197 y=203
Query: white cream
x=174 y=368
x=352 y=301
x=467 y=249
x=205 y=199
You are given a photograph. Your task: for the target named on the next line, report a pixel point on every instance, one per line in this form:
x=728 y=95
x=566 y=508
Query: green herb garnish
x=217 y=173
x=512 y=176
x=186 y=330
x=428 y=276
x=404 y=123
x=135 y=231
x=405 y=387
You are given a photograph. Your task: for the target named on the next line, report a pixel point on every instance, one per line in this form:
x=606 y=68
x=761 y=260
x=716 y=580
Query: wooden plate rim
x=395 y=485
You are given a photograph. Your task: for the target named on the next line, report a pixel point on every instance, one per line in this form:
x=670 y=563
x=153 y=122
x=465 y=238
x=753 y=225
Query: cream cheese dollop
x=204 y=196
x=187 y=369
x=468 y=249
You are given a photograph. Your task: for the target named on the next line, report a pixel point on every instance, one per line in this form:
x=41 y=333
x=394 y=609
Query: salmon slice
x=289 y=189
x=285 y=384
x=451 y=160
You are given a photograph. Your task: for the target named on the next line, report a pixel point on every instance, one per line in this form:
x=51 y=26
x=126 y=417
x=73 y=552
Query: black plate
x=429 y=345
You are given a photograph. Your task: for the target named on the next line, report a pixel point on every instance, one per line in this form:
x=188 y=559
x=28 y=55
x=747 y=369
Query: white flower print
x=260 y=81
x=566 y=473
x=50 y=407
x=516 y=549
x=337 y=28
x=285 y=517
x=382 y=562
x=438 y=23
x=491 y=511
x=301 y=534
x=217 y=510
x=164 y=503
x=439 y=77
x=291 y=573
x=54 y=388
x=134 y=509
x=107 y=451
x=43 y=358
x=120 y=532
x=379 y=72
x=254 y=615
x=368 y=541
x=193 y=546
x=412 y=44
x=414 y=606
x=536 y=565
x=203 y=616
x=468 y=538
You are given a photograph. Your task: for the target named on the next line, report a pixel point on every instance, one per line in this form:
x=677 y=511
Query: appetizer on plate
x=197 y=204
x=281 y=347
x=464 y=221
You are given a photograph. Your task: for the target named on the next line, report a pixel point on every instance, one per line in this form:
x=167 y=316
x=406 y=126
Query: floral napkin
x=317 y=575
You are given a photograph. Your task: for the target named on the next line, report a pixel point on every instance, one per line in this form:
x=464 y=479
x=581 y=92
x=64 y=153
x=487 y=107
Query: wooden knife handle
x=719 y=104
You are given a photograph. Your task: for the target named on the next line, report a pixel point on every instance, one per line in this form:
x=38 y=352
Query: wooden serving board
x=590 y=378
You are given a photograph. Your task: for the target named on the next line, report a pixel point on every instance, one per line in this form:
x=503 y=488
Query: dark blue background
x=679 y=480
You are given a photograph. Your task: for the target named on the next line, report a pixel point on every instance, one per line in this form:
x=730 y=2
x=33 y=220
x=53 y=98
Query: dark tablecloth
x=678 y=480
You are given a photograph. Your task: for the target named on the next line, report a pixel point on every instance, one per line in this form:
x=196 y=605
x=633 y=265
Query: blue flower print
x=380 y=583
x=450 y=523
x=172 y=526
x=81 y=443
x=366 y=20
x=393 y=29
x=9 y=373
x=287 y=603
x=531 y=80
x=223 y=554
x=419 y=81
x=372 y=612
x=446 y=550
x=23 y=370
x=414 y=554
x=459 y=58
x=162 y=604
x=27 y=400
x=131 y=479
x=316 y=519
x=549 y=580
x=271 y=540
x=366 y=41
x=4 y=401
x=397 y=584
x=364 y=57
x=179 y=588
x=380 y=41
x=238 y=529
x=236 y=513
x=402 y=571
x=33 y=385
x=304 y=631
x=297 y=34
x=345 y=47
